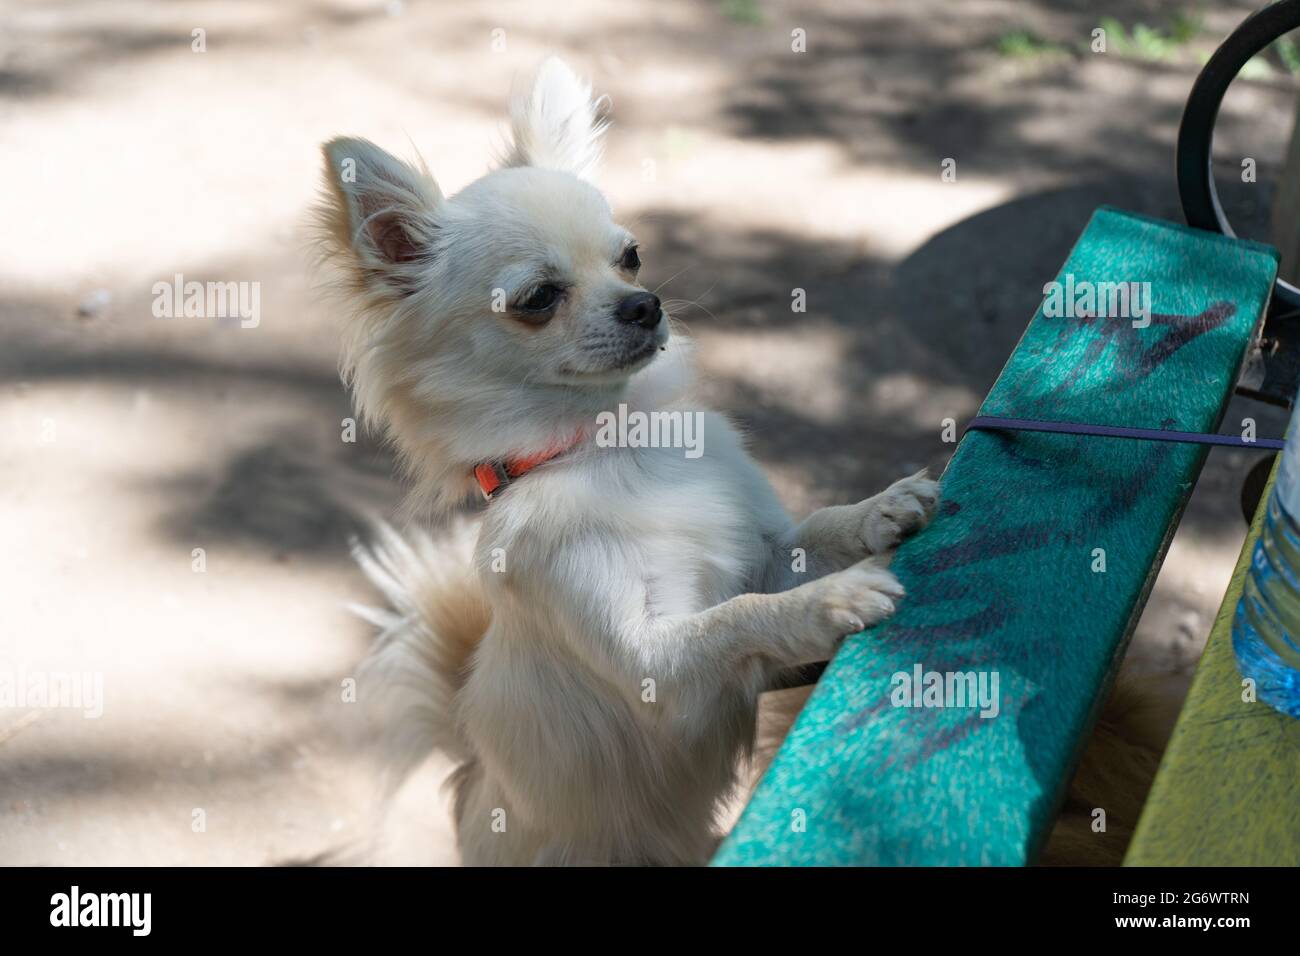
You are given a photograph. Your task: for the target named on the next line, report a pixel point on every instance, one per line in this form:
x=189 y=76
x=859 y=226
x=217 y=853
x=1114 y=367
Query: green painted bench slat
x=1002 y=584
x=1228 y=789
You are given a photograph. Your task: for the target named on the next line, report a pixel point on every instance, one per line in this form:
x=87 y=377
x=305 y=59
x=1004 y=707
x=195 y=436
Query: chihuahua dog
x=590 y=647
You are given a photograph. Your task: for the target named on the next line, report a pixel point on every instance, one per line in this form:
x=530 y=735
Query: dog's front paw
x=901 y=510
x=847 y=602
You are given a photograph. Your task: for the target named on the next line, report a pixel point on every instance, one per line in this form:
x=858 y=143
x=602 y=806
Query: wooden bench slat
x=1002 y=584
x=1228 y=789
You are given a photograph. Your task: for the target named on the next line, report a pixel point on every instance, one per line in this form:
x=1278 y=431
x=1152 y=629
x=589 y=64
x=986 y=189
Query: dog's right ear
x=555 y=124
x=380 y=211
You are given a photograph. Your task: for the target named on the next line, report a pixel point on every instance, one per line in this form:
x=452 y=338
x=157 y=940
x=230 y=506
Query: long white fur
x=595 y=671
x=555 y=123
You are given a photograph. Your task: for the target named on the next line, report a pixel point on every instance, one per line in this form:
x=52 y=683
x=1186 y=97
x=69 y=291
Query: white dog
x=594 y=664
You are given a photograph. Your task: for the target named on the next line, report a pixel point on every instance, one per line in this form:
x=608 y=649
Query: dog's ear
x=380 y=210
x=555 y=124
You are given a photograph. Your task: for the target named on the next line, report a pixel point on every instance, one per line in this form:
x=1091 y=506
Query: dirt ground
x=747 y=170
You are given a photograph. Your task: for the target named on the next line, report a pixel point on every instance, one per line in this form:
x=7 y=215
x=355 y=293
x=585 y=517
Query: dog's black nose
x=640 y=308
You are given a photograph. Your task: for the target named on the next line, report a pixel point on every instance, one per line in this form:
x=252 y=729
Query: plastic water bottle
x=1266 y=627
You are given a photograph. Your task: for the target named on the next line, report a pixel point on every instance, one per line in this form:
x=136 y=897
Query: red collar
x=494 y=476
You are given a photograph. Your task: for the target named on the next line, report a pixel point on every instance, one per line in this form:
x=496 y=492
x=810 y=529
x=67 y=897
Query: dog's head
x=520 y=289
x=501 y=310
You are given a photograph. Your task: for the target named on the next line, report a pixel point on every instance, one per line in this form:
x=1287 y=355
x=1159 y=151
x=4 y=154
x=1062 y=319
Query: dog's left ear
x=555 y=124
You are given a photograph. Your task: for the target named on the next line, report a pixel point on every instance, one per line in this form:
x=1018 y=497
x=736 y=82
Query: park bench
x=1033 y=574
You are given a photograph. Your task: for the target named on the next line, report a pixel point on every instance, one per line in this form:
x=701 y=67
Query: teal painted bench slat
x=1003 y=583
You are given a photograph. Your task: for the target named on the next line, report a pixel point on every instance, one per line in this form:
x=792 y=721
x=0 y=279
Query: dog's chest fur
x=701 y=538
x=668 y=535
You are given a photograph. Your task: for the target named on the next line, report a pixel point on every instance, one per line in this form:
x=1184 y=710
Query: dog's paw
x=901 y=510
x=849 y=601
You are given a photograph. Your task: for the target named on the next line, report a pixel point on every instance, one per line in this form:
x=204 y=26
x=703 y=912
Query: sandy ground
x=128 y=441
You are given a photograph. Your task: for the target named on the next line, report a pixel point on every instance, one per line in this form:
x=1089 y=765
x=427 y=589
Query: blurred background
x=128 y=155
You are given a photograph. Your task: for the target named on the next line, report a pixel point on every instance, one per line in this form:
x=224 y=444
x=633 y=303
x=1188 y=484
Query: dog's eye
x=631 y=261
x=541 y=299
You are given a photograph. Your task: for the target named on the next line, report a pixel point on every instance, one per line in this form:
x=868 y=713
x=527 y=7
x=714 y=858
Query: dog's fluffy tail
x=435 y=617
